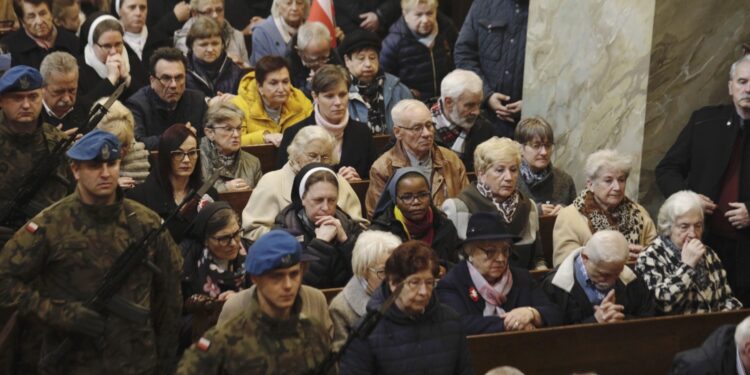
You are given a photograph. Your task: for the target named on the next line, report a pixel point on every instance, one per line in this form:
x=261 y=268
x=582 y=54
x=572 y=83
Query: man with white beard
x=458 y=123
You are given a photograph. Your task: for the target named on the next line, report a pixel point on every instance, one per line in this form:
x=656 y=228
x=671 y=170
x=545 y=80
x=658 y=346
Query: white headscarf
x=90 y=56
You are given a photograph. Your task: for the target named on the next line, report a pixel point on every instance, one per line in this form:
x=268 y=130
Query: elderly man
x=49 y=269
x=711 y=157
x=24 y=142
x=593 y=284
x=62 y=107
x=166 y=101
x=458 y=122
x=415 y=147
x=373 y=92
x=492 y=43
x=307 y=52
x=271 y=335
x=38 y=36
x=725 y=351
x=235 y=42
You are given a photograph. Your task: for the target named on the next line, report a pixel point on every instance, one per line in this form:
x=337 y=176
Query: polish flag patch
x=32 y=227
x=203 y=344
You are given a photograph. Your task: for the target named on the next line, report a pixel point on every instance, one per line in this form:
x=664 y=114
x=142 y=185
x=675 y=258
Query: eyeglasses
x=116 y=46
x=212 y=11
x=313 y=60
x=228 y=129
x=380 y=273
x=430 y=126
x=410 y=198
x=179 y=155
x=493 y=252
x=414 y=284
x=226 y=240
x=538 y=146
x=165 y=80
x=318 y=157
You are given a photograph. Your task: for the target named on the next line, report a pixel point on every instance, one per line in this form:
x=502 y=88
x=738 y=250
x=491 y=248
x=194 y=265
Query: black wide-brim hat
x=488 y=226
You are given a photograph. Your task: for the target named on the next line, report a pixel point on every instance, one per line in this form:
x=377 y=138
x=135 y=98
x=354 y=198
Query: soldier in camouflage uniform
x=58 y=259
x=24 y=141
x=270 y=337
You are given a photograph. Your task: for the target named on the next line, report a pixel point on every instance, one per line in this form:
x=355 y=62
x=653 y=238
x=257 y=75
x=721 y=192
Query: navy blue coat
x=420 y=68
x=227 y=81
x=432 y=343
x=453 y=290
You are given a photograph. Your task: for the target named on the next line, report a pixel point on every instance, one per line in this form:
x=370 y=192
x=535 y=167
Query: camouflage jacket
x=61 y=256
x=254 y=343
x=19 y=154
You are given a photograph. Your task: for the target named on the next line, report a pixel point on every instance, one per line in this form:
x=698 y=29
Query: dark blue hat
x=273 y=250
x=96 y=145
x=20 y=78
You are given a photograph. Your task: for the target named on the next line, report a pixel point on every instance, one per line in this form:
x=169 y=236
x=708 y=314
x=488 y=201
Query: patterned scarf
x=423 y=231
x=701 y=279
x=530 y=177
x=494 y=295
x=219 y=279
x=506 y=208
x=221 y=160
x=372 y=94
x=451 y=134
x=625 y=218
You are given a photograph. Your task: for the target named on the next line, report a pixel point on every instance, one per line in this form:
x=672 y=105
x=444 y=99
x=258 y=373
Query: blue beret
x=20 y=78
x=273 y=250
x=96 y=145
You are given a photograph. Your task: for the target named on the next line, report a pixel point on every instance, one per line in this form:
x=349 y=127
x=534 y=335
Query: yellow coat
x=257 y=122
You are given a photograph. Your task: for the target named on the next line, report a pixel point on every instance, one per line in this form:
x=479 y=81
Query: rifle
x=362 y=331
x=104 y=299
x=22 y=201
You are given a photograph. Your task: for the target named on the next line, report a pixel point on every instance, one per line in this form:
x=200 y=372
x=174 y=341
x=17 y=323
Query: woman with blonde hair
x=134 y=167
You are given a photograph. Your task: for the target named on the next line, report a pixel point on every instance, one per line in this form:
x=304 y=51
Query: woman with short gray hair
x=602 y=205
x=685 y=275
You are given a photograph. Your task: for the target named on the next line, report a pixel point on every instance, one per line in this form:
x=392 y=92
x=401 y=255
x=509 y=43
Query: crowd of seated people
x=440 y=231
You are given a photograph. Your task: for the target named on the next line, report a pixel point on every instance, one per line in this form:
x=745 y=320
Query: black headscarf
x=388 y=198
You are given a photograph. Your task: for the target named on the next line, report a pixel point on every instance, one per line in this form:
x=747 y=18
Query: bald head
x=607 y=246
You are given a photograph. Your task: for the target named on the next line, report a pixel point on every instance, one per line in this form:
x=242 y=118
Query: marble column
x=626 y=74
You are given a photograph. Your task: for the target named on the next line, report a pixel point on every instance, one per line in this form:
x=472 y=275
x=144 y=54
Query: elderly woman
x=418 y=48
x=373 y=92
x=214 y=266
x=270 y=37
x=269 y=102
x=221 y=150
x=354 y=145
x=490 y=295
x=371 y=251
x=497 y=162
x=172 y=180
x=685 y=275
x=233 y=38
x=209 y=69
x=328 y=233
x=405 y=209
x=274 y=190
x=107 y=61
x=602 y=205
x=549 y=186
x=134 y=167
x=418 y=334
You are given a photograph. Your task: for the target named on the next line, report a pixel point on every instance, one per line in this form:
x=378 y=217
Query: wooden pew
x=360 y=187
x=266 y=153
x=381 y=143
x=330 y=293
x=238 y=200
x=546 y=226
x=644 y=346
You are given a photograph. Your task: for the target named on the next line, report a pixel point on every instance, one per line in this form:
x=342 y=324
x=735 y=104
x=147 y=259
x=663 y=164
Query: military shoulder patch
x=32 y=227
x=203 y=344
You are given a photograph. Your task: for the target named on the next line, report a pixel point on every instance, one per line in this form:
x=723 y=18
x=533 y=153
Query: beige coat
x=572 y=231
x=274 y=192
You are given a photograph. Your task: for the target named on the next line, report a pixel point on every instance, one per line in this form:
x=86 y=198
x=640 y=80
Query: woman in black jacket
x=406 y=210
x=209 y=69
x=325 y=231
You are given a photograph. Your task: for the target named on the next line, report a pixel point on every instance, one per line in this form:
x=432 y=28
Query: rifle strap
x=135 y=226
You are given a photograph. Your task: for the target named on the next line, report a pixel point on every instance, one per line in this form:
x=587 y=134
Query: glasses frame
x=411 y=198
x=380 y=274
x=179 y=155
x=419 y=128
x=166 y=80
x=226 y=240
x=108 y=47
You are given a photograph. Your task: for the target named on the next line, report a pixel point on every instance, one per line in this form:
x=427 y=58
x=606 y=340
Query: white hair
x=195 y=4
x=504 y=370
x=733 y=69
x=678 y=204
x=371 y=246
x=607 y=246
x=305 y=136
x=742 y=333
x=460 y=81
x=312 y=32
x=403 y=107
x=607 y=159
x=276 y=4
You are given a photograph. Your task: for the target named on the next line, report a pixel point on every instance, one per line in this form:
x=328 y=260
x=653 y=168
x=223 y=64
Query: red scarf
x=422 y=231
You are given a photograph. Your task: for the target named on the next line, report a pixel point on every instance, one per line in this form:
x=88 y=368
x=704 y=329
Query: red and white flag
x=322 y=11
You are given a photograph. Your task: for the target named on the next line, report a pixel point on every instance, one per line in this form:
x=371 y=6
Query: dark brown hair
x=409 y=258
x=268 y=65
x=328 y=77
x=220 y=220
x=204 y=27
x=169 y=141
x=18 y=6
x=533 y=127
x=321 y=176
x=170 y=54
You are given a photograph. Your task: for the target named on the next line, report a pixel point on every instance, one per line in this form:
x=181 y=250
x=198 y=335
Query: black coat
x=92 y=87
x=333 y=268
x=717 y=355
x=357 y=149
x=299 y=73
x=156 y=39
x=480 y=132
x=156 y=197
x=75 y=118
x=239 y=12
x=227 y=80
x=445 y=242
x=453 y=290
x=420 y=68
x=161 y=16
x=24 y=51
x=153 y=116
x=347 y=13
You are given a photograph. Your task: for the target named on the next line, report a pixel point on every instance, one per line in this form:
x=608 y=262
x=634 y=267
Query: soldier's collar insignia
x=203 y=344
x=32 y=227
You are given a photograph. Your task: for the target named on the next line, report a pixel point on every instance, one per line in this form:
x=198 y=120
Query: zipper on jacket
x=434 y=75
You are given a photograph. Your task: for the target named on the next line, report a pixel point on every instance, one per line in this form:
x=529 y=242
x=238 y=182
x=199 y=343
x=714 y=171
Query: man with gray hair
x=725 y=351
x=593 y=284
x=459 y=124
x=307 y=52
x=711 y=157
x=62 y=107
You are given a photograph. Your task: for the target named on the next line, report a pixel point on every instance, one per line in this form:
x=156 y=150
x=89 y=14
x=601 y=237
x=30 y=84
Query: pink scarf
x=494 y=295
x=336 y=130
